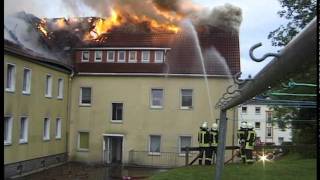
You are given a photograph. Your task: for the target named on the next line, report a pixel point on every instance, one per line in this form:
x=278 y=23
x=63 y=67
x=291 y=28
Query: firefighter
x=204 y=143
x=242 y=136
x=250 y=142
x=214 y=141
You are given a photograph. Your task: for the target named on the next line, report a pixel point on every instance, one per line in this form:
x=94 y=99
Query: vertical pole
x=187 y=156
x=221 y=144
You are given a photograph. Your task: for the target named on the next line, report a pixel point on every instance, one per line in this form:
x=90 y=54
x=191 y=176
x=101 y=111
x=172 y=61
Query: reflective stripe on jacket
x=214 y=138
x=204 y=138
x=251 y=138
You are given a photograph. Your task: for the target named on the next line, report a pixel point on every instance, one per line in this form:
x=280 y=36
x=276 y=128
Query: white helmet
x=215 y=126
x=243 y=124
x=250 y=126
x=205 y=124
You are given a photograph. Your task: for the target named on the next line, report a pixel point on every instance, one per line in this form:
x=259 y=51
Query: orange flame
x=60 y=23
x=42 y=27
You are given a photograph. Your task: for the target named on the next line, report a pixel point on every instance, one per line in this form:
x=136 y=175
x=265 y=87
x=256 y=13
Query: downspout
x=69 y=112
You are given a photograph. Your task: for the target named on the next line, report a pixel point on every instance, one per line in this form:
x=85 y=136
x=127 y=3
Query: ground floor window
x=280 y=140
x=83 y=141
x=46 y=129
x=23 y=130
x=155 y=141
x=58 y=128
x=7 y=129
x=185 y=141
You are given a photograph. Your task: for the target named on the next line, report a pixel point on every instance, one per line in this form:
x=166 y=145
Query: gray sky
x=259 y=18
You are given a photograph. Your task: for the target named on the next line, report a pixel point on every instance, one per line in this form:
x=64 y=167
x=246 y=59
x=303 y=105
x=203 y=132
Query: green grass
x=290 y=167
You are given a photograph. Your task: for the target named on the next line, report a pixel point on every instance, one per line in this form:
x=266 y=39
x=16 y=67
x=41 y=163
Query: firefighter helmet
x=215 y=126
x=243 y=124
x=250 y=126
x=205 y=124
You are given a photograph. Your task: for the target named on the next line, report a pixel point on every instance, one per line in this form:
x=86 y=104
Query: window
x=156 y=98
x=85 y=96
x=258 y=110
x=257 y=125
x=154 y=146
x=83 y=141
x=158 y=56
x=7 y=130
x=121 y=56
x=145 y=56
x=110 y=56
x=98 y=56
x=26 y=85
x=60 y=88
x=244 y=109
x=280 y=140
x=11 y=77
x=185 y=141
x=269 y=116
x=132 y=56
x=117 y=110
x=58 y=128
x=186 y=98
x=46 y=129
x=269 y=131
x=23 y=130
x=85 y=56
x=48 y=86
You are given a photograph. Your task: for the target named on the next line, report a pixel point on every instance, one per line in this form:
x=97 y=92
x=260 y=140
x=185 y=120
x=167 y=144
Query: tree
x=299 y=13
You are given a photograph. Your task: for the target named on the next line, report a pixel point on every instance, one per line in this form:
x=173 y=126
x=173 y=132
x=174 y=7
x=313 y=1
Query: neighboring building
x=260 y=116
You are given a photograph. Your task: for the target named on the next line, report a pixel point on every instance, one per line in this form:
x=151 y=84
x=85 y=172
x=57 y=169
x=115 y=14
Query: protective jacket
x=204 y=138
x=251 y=138
x=242 y=135
x=214 y=137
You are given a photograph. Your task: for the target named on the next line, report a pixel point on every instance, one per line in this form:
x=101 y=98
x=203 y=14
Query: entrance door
x=113 y=149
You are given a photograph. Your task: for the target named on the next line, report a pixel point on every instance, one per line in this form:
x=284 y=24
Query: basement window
x=145 y=56
x=85 y=56
x=158 y=56
x=26 y=84
x=154 y=145
x=186 y=98
x=117 y=112
x=23 y=130
x=7 y=130
x=98 y=56
x=85 y=96
x=46 y=129
x=121 y=56
x=11 y=77
x=83 y=141
x=110 y=56
x=132 y=56
x=184 y=141
x=48 y=86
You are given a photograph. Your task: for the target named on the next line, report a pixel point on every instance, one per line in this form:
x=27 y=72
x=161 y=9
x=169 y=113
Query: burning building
x=134 y=89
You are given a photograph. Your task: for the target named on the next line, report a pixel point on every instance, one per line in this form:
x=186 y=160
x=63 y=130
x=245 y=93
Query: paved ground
x=77 y=171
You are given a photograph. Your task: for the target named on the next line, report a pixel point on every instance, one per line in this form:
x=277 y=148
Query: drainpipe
x=69 y=111
x=299 y=54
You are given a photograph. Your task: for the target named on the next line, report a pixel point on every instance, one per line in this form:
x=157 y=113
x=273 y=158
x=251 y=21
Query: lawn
x=290 y=167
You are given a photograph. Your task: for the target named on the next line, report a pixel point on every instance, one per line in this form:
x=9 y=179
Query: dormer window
x=110 y=56
x=145 y=56
x=85 y=56
x=158 y=57
x=132 y=56
x=121 y=56
x=98 y=56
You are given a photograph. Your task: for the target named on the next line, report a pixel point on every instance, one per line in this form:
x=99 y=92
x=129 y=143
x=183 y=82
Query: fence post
x=221 y=145
x=187 y=156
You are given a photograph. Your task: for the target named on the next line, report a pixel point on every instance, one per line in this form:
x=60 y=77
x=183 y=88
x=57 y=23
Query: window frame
x=270 y=132
x=192 y=99
x=80 y=96
x=158 y=60
x=124 y=57
x=28 y=82
x=46 y=137
x=255 y=110
x=48 y=84
x=114 y=54
x=95 y=56
x=246 y=111
x=179 y=145
x=82 y=55
x=149 y=146
x=26 y=130
x=78 y=142
x=151 y=98
x=13 y=78
x=60 y=88
x=58 y=131
x=117 y=121
x=255 y=123
x=135 y=57
x=9 y=131
x=142 y=59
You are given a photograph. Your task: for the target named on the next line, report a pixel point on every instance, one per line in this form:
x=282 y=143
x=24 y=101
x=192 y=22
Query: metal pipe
x=221 y=144
x=299 y=54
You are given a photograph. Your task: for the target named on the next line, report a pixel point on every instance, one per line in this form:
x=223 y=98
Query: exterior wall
x=35 y=107
x=140 y=120
x=252 y=117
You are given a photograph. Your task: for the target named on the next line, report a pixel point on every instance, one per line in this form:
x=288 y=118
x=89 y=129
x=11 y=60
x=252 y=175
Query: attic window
x=132 y=56
x=121 y=56
x=85 y=56
x=98 y=56
x=158 y=56
x=110 y=56
x=145 y=56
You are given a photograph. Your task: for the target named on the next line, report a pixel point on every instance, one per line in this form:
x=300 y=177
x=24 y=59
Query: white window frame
x=28 y=81
x=192 y=97
x=255 y=110
x=156 y=58
x=114 y=54
x=117 y=121
x=255 y=125
x=60 y=88
x=135 y=57
x=145 y=61
x=242 y=109
x=84 y=60
x=25 y=134
x=58 y=127
x=49 y=85
x=179 y=145
x=149 y=146
x=124 y=57
x=78 y=141
x=95 y=56
x=46 y=137
x=80 y=97
x=9 y=131
x=151 y=99
x=13 y=79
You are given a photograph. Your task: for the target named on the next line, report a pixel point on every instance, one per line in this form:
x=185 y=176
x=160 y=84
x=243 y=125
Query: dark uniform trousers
x=242 y=136
x=204 y=144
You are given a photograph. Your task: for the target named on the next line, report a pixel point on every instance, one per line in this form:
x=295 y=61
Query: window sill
x=85 y=105
x=46 y=140
x=47 y=96
x=132 y=61
x=23 y=142
x=156 y=107
x=7 y=143
x=116 y=121
x=26 y=93
x=60 y=98
x=10 y=90
x=186 y=108
x=84 y=60
x=154 y=154
x=83 y=150
x=100 y=61
x=110 y=61
x=58 y=138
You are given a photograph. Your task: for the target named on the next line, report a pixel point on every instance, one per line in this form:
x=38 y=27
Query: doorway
x=113 y=149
